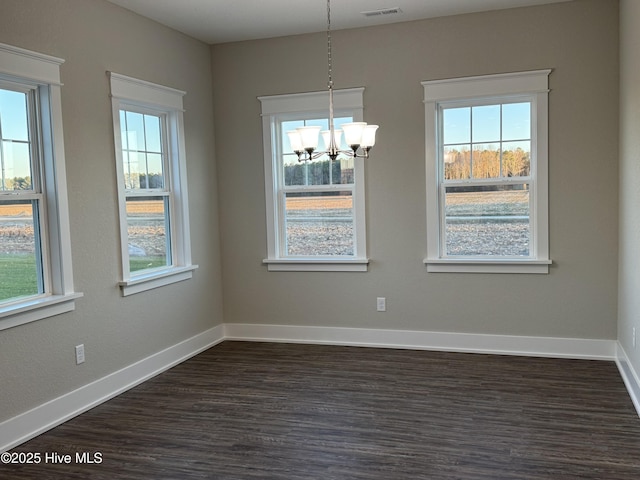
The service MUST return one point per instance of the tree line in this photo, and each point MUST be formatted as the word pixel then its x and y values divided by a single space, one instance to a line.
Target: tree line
pixel 317 173
pixel 484 163
pixel 17 183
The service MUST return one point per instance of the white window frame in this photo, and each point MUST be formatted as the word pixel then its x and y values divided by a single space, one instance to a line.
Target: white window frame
pixel 278 108
pixel 41 74
pixel 470 91
pixel 129 93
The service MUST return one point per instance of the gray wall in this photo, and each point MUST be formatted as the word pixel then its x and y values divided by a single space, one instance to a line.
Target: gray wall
pixel 579 40
pixel 37 361
pixel 578 299
pixel 629 264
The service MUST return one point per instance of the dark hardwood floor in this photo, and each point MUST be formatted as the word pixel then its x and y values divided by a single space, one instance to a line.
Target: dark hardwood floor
pixel 282 411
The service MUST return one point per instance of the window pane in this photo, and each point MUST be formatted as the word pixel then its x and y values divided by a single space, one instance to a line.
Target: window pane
pixel 457 125
pixel 16 166
pixel 15 158
pixel 13 115
pixel 486 161
pixel 295 172
pixel 152 130
pixel 457 162
pixel 516 121
pixel 148 232
pixel 342 171
pixel 516 159
pixel 20 262
pixel 154 171
pixel 142 150
pixel 133 164
pixel 488 221
pixel 486 123
pixel 319 172
pixel 134 131
pixel 319 223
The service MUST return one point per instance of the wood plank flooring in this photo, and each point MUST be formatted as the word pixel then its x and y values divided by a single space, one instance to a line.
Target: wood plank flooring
pixel 280 411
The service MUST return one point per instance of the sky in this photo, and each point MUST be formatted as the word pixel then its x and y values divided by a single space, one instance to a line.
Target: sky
pixel 14 131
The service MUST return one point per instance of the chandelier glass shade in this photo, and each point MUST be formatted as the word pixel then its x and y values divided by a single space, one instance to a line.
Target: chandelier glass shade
pixel 359 136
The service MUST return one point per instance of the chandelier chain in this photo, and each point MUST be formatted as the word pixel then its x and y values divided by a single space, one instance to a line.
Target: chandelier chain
pixel 329 42
pixel 358 135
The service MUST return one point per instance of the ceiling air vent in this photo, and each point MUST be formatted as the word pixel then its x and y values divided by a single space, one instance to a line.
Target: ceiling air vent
pixel 382 11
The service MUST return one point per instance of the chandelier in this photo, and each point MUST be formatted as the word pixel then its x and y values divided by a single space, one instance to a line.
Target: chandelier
pixel 358 135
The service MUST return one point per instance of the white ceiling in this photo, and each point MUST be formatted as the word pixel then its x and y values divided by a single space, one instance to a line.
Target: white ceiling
pixel 219 21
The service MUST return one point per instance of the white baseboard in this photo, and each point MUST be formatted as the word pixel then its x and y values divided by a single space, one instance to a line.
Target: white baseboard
pixel 629 376
pixel 29 424
pixel 420 340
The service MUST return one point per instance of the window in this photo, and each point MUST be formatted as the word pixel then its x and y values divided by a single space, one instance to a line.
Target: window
pixel 35 256
pixel 152 184
pixel 315 209
pixel 486 143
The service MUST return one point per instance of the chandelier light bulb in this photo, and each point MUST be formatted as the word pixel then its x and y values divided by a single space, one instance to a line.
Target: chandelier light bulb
pixel 309 137
pixel 353 133
pixel 369 136
pixel 295 140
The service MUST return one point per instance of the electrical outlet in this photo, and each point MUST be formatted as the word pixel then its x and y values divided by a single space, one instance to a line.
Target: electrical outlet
pixel 381 304
pixel 79 354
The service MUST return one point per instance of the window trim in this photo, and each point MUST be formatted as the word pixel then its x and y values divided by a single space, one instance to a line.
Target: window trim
pixel 42 73
pixel 142 95
pixel 471 89
pixel 274 108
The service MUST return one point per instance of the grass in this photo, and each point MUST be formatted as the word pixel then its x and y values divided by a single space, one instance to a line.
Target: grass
pixel 143 263
pixel 19 276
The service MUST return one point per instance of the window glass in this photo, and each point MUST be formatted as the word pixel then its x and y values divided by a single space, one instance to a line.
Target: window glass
pixel 456 125
pixel 516 159
pixel 148 233
pixel 500 141
pixel 485 143
pixel 486 123
pixel 516 121
pixel 319 224
pixel 15 154
pixel 148 225
pixel 142 150
pixel 13 115
pixel 485 161
pixel 487 221
pixel 20 261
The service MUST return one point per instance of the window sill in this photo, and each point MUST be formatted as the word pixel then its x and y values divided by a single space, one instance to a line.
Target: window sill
pixel 151 280
pixel 33 309
pixel 316 265
pixel 487 266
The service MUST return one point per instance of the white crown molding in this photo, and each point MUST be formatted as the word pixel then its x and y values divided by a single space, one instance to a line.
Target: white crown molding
pixel 31 65
pixel 133 89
